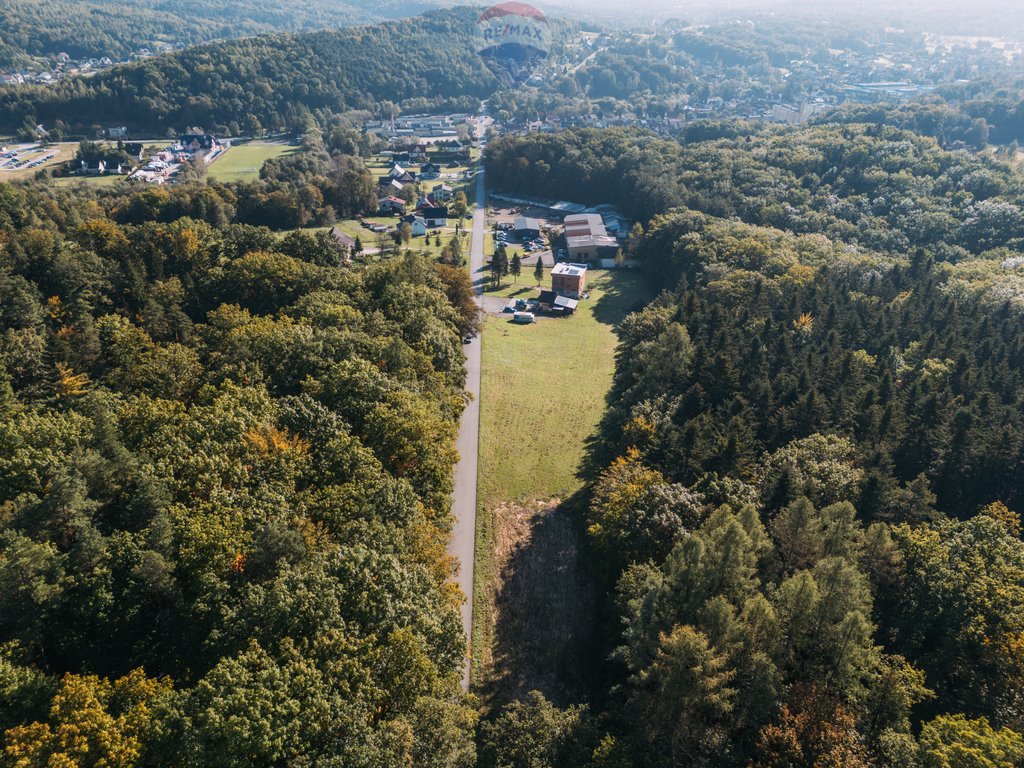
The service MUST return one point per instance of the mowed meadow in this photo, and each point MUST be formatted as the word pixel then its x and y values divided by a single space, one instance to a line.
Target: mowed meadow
pixel 243 162
pixel 543 390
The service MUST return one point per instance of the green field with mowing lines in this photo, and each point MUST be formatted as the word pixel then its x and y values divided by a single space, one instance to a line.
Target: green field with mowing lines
pixel 244 161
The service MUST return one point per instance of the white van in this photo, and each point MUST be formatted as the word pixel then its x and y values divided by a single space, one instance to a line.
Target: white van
pixel 524 318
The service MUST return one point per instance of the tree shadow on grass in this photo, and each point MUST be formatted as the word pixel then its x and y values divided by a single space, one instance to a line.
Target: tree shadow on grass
pixel 544 628
pixel 617 301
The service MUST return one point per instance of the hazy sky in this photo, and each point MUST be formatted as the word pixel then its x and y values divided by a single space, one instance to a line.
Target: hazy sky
pixel 1002 18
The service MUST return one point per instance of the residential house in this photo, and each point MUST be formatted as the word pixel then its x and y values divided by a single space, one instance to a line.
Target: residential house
pixel 134 149
pixel 417 223
pixel 430 171
pixel 435 217
pixel 99 168
pixel 343 239
pixel 197 142
pixel 442 192
pixel 569 279
pixel 390 187
pixel 402 175
pixel 389 206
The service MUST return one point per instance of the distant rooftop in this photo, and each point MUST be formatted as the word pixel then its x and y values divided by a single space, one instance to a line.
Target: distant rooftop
pixel 565 268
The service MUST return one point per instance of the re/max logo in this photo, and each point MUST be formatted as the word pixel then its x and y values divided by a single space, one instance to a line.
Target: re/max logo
pixel 513 30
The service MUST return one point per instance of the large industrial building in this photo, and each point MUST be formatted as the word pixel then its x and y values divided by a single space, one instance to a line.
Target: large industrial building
pixel 587 240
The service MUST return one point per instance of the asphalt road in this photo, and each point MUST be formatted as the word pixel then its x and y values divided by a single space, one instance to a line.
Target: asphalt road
pixel 462 544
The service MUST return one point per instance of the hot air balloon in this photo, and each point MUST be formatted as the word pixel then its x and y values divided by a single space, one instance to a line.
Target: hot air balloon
pixel 513 39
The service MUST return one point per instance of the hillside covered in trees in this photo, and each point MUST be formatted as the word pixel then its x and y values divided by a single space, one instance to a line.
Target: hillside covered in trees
pixel 804 498
pixel 874 186
pixel 281 81
pixel 225 476
pixel 86 28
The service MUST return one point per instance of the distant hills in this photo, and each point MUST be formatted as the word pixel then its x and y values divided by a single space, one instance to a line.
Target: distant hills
pixel 275 81
pixel 94 28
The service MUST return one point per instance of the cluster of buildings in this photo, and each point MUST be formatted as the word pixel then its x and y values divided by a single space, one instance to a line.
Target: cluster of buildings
pixel 667 124
pixel 423 128
pixel 399 178
pixel 62 65
pixel 899 66
pixel 163 166
pixel 452 151
pixel 429 210
pixel 568 286
pixel 428 215
pixel 593 234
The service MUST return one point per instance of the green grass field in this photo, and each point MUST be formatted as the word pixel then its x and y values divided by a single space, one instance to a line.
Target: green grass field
pixel 542 395
pixel 243 162
pixel 88 181
pixel 543 390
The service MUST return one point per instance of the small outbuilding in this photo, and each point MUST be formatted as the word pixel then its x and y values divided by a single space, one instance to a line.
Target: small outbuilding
pixel 565 305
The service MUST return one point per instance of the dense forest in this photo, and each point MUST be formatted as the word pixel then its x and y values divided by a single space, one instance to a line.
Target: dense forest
pixel 804 498
pixel 90 29
pixel 229 458
pixel 279 81
pixel 876 186
pixel 227 448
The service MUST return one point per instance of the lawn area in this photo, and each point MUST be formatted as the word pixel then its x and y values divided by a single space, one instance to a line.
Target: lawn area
pixel 244 161
pixel 88 181
pixel 543 390
pixel 420 245
pixel 542 395
pixel 424 245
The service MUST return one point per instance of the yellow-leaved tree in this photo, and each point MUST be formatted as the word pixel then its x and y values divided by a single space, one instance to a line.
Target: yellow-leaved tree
pixel 94 723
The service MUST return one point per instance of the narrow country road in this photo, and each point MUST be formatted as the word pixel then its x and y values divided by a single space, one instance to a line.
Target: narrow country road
pixel 463 539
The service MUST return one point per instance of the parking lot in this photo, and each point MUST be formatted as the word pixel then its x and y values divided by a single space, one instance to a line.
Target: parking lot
pixel 501 220
pixel 19 161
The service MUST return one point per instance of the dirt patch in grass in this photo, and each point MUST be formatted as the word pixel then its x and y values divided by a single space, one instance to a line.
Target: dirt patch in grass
pixel 541 606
